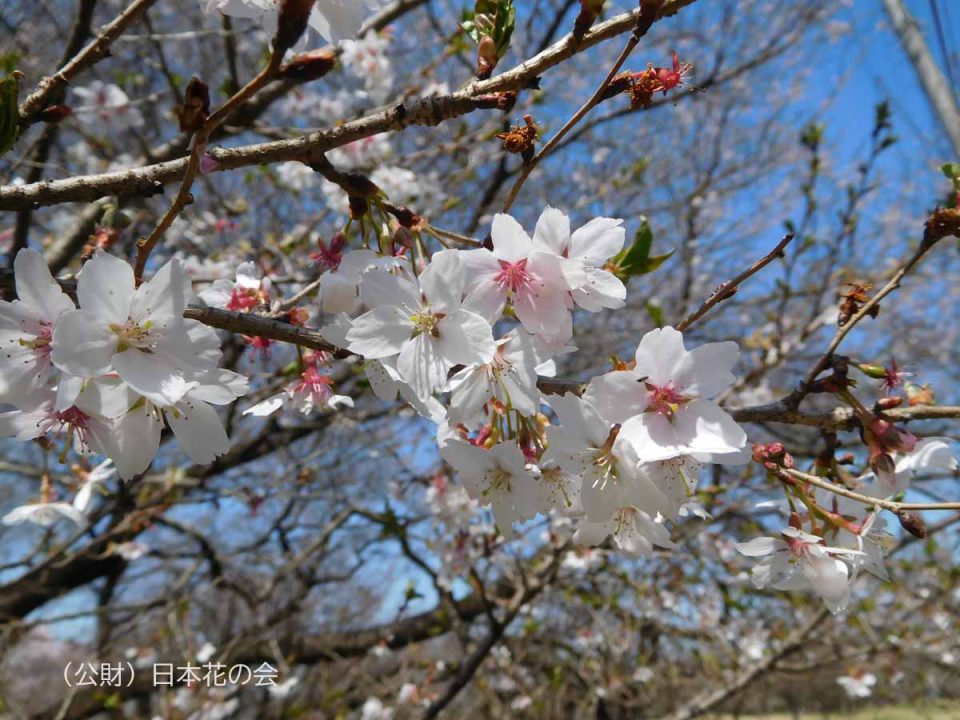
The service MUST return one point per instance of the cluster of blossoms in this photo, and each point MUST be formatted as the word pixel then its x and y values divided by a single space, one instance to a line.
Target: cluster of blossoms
pixel 853 540
pixel 466 337
pixel 109 375
pixel 620 460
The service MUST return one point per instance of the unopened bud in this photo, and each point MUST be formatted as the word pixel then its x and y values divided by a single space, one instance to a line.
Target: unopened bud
pixel 291 23
pixel 888 403
pixel 589 11
pixel 912 523
pixel 877 372
pixel 309 66
pixel 55 113
pixel 486 57
pixel 196 106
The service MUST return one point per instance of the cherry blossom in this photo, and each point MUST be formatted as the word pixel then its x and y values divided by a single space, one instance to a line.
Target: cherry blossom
pixel 800 561
pixel 585 253
pixel 250 290
pixel 663 402
pixel 499 477
pixel 633 531
pixel 45 514
pixel 313 390
pixel 138 333
pixel 584 445
pixel 535 282
pixel 339 285
pixel 858 686
pixel 106 107
pixel 192 418
pixel 425 327
pixel 510 378
pixel 26 329
pixel 84 418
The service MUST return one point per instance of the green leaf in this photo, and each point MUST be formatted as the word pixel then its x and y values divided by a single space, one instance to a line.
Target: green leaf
pixel 951 170
pixel 491 18
pixel 636 260
pixel 9 112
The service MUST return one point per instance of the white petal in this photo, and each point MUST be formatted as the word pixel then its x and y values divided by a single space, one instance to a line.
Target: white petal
pixel 598 240
pixel 82 345
pixel 199 430
pixel 442 281
pixel 760 546
pixel 152 376
pixel 36 287
pixel 706 371
pixel 714 431
pixel 163 298
pixel 105 289
pixel 618 395
pixel 137 441
pixel 267 407
pixel 380 333
pixel 552 233
pixel 466 338
pixel 423 366
pixel 510 240
pixel 659 352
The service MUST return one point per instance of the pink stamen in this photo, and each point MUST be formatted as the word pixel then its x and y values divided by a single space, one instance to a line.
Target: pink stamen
pixel 514 277
pixel 665 400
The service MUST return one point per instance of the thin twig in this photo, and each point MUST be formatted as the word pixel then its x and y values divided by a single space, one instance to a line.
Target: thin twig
pixel 890 505
pixel 92 53
pixel 729 288
pixel 824 361
pixel 643 24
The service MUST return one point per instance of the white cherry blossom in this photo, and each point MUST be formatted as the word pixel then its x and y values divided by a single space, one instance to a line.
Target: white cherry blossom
pixel 333 20
pixel 45 514
pixel 249 291
pixel 585 252
pixel 192 418
pixel 106 107
pixel 138 333
pixel 510 378
pixel 26 329
pixel 425 328
pixel 586 446
pixel 498 477
pixel 534 281
pixel 633 531
pixel 663 402
pixel 800 561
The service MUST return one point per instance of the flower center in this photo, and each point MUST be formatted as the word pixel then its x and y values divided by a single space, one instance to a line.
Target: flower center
pixel 426 323
pixel 514 277
pixel 41 341
pixel 133 334
pixel 665 399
